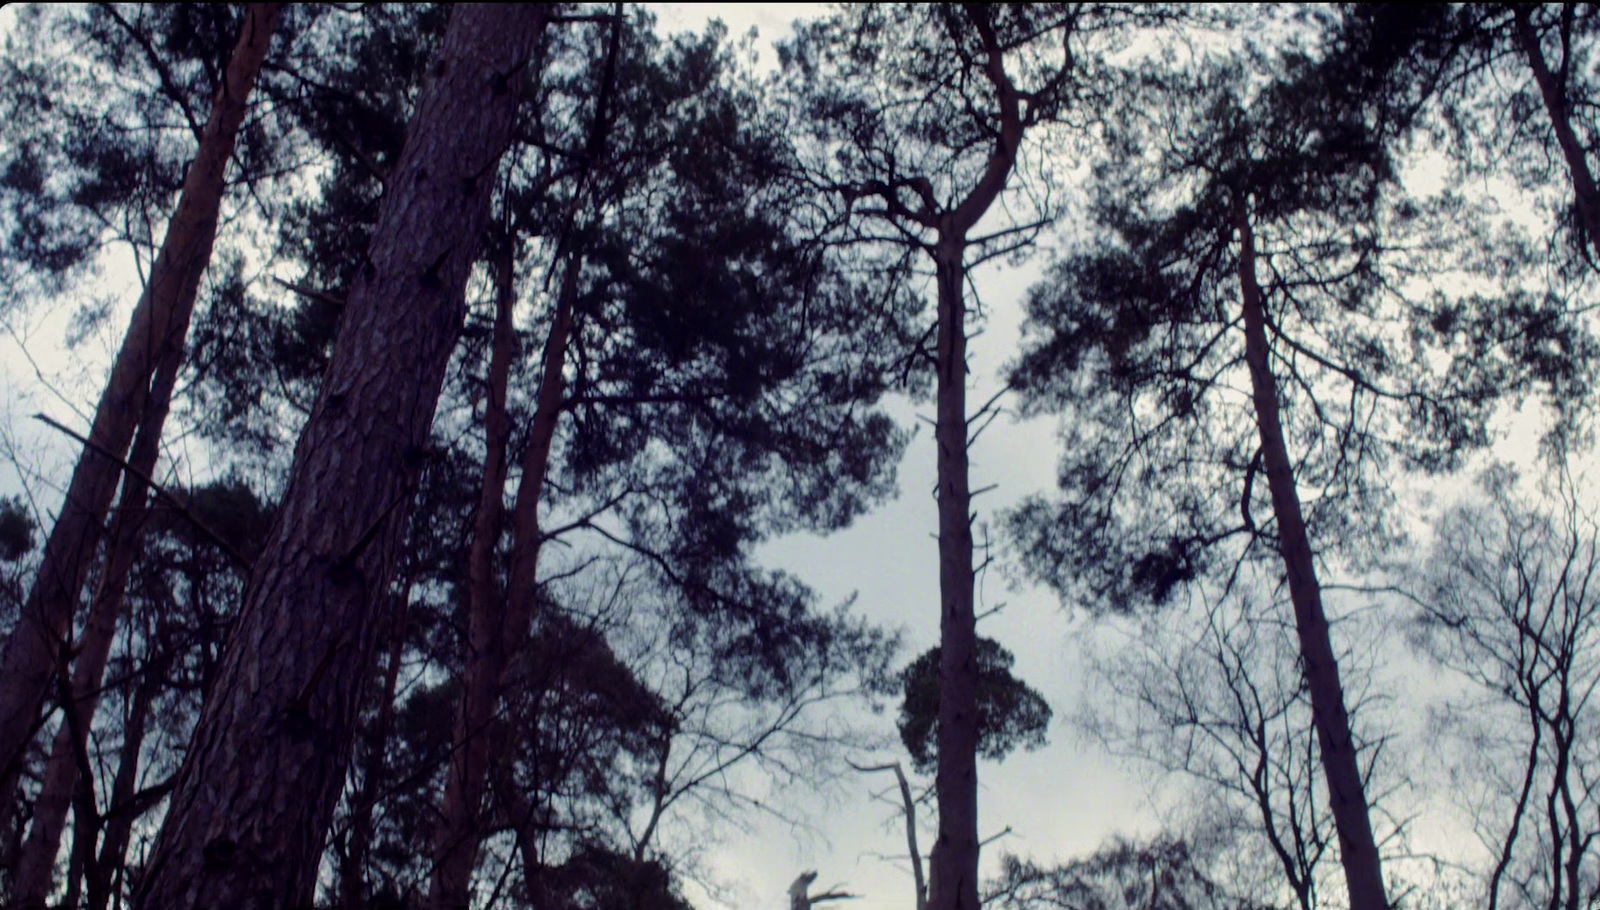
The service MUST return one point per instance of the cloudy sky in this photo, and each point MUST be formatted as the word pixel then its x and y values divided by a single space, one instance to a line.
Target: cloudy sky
pixel 1059 802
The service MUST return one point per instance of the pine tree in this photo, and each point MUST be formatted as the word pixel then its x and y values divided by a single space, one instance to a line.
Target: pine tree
pixel 259 782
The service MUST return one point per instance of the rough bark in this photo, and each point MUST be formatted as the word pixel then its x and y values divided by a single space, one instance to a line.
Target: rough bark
pixel 1358 850
pixel 160 322
pixel 261 778
pixel 1586 195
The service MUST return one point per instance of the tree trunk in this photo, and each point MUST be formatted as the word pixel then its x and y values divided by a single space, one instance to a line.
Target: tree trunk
pixel 954 884
pixel 453 857
pixel 1555 104
pixel 38 644
pixel 1358 850
pixel 498 627
pixel 85 832
pixel 104 876
pixel 37 862
pixel 953 878
pixel 353 879
pixel 264 771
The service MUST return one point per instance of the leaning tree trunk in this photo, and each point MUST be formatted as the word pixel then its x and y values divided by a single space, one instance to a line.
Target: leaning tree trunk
pixel 38 644
pixel 1358 850
pixel 264 771
pixel 1559 110
pixel 36 865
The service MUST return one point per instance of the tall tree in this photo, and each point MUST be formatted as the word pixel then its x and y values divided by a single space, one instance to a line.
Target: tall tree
pixel 921 112
pixel 1229 177
pixel 38 645
pixel 259 782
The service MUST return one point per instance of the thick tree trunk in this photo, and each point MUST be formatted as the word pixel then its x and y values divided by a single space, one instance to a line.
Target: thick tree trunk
pixel 498 627
pixel 38 643
pixel 955 853
pixel 1560 112
pixel 1358 850
pixel 261 778
pixel 36 865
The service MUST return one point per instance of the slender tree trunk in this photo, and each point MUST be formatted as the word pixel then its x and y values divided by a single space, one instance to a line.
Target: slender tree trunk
pixel 1358 850
pixel 38 643
pixel 953 874
pixel 955 853
pixel 1555 104
pixel 37 862
pixel 264 771
pixel 498 627
pixel 353 881
pixel 85 833
pixel 1509 843
pixel 453 858
pixel 104 877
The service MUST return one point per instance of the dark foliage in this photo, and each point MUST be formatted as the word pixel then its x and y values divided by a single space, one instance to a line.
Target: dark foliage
pixel 1010 712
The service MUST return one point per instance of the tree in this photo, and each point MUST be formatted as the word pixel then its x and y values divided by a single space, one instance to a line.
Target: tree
pixel 1247 244
pixel 260 780
pixel 1010 712
pixel 715 356
pixel 1507 599
pixel 37 647
pixel 918 117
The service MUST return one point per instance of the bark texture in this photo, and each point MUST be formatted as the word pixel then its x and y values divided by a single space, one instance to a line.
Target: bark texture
pixel 1358 850
pixel 38 646
pixel 259 783
pixel 1553 91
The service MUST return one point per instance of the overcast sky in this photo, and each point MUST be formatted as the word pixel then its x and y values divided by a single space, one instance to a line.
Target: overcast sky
pixel 1059 802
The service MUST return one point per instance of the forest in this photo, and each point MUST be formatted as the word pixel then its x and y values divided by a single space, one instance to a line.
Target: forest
pixel 444 400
